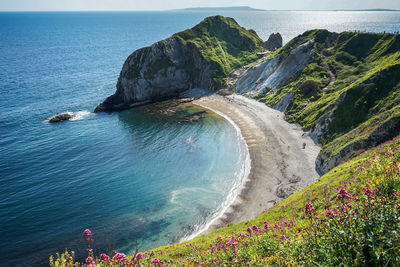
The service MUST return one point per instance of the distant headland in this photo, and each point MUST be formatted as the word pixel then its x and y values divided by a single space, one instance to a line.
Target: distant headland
pixel 232 8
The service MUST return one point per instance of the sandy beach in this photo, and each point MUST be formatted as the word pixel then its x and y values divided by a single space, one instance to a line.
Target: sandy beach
pixel 279 163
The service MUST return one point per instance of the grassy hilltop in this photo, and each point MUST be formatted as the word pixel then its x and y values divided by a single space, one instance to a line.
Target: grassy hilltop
pixel 223 43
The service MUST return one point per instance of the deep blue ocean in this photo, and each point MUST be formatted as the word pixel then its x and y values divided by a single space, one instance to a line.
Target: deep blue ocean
pixel 127 176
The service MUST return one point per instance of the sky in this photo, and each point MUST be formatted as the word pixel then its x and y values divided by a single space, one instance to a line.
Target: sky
pixel 72 5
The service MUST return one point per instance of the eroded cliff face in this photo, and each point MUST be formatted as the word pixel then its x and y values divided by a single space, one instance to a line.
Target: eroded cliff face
pixel 201 57
pixel 161 71
pixel 275 72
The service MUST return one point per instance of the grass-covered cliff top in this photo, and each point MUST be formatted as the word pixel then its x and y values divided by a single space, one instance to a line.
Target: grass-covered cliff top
pixel 360 107
pixel 223 43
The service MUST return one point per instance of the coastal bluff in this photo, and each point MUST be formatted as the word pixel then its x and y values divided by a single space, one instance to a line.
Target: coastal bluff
pixel 200 57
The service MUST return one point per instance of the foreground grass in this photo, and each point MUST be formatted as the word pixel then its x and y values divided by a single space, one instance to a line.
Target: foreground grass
pixel 350 216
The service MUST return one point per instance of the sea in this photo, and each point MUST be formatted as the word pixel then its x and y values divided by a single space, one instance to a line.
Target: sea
pixel 136 179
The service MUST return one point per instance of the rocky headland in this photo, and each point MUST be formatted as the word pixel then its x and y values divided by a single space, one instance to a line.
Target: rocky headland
pixel 200 57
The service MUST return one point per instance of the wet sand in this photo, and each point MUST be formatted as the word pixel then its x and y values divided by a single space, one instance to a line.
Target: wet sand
pixel 279 163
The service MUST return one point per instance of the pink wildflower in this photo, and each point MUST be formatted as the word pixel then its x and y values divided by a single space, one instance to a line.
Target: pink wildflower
pixel 395 192
pixel 89 260
pixel 367 191
pixel 329 212
pixel 249 230
pixel 119 256
pixel 309 208
pixel 140 255
pixel 87 232
pixel 104 257
pixel 155 261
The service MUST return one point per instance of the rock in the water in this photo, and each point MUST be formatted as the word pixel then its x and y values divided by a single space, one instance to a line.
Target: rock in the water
pixel 274 42
pixel 201 57
pixel 60 117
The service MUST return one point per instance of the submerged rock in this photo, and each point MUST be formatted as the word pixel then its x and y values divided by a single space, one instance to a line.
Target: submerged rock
pixel 61 117
pixel 200 57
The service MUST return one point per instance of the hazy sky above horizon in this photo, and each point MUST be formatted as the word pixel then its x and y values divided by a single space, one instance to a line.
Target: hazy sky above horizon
pixel 67 5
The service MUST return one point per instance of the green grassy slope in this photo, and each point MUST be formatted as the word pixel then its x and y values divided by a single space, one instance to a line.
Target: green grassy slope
pixel 223 43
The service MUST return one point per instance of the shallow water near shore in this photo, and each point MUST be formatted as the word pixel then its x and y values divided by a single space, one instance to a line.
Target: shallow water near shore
pixel 127 176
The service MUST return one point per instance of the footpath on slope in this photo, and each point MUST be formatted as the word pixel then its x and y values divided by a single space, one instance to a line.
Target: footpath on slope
pixel 280 165
pixel 328 69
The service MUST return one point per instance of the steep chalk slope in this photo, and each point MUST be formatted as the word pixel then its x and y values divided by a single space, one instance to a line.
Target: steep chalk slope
pixel 276 71
pixel 200 57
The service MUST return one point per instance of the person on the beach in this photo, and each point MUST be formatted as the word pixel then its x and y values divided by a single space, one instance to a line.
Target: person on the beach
pixel 304 145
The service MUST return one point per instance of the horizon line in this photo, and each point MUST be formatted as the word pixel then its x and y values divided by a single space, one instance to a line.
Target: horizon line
pixel 193 9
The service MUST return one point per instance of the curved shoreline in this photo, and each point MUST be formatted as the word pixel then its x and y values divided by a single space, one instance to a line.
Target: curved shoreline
pixel 235 191
pixel 279 165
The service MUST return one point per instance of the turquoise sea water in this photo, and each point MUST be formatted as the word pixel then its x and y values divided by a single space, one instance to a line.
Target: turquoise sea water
pixel 127 176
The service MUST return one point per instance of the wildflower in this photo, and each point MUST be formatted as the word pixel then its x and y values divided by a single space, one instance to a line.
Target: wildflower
pixel 249 230
pixel 343 193
pixel 87 232
pixel 89 250
pixel 395 192
pixel 140 255
pixel 309 208
pixel 119 256
pixel 155 261
pixel 367 191
pixel 104 257
pixel 329 212
pixel 89 260
pixel 68 259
